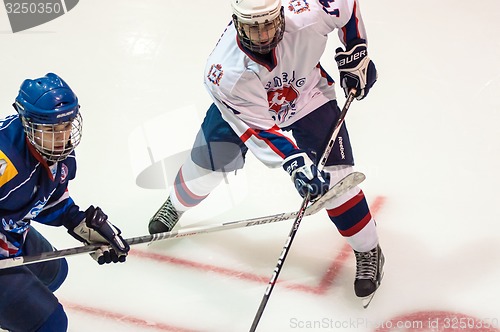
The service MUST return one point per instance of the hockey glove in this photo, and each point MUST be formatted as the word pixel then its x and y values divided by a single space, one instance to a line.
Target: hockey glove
pixel 95 229
pixel 356 69
pixel 306 176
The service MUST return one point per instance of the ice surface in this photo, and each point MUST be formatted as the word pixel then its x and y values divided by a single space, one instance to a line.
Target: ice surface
pixel 426 137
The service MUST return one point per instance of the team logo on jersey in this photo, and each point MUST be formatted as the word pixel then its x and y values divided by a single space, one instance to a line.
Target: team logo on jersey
pixel 215 74
pixel 36 209
pixel 298 6
pixel 64 173
pixel 15 226
pixel 282 102
pixel 7 170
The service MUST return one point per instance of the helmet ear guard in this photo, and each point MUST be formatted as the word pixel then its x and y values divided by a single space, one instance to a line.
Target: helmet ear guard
pixel 254 19
pixel 50 115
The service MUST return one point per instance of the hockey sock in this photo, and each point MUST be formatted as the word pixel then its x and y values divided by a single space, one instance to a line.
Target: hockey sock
pixel 355 222
pixel 192 185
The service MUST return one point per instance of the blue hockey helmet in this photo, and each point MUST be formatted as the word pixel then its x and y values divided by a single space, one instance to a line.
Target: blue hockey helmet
pixel 47 100
pixel 50 114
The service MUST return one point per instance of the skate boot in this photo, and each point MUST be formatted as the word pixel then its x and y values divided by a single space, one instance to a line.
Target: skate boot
pixel 369 273
pixel 164 219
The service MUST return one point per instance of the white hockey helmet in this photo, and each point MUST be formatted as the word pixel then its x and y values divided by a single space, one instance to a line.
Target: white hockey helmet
pixel 260 23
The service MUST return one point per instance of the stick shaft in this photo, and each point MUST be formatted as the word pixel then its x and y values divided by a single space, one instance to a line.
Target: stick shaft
pixel 341 187
pixel 300 215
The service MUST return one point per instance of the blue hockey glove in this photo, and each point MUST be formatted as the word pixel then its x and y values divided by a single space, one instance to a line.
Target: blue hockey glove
pixel 306 176
pixel 356 69
pixel 94 229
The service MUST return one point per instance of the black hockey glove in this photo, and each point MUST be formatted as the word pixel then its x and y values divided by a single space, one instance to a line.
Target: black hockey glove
pixel 94 229
pixel 306 176
pixel 356 69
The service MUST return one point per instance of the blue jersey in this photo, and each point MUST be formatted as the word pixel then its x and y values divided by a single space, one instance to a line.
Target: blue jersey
pixel 30 189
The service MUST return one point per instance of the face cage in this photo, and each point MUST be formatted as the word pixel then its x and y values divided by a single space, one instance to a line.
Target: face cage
pixel 278 24
pixel 52 143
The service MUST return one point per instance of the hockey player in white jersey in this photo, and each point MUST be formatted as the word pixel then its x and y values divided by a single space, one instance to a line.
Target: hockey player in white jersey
pixel 265 77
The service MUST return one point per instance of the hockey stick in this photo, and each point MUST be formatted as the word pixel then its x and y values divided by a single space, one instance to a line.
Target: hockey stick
pixel 300 215
pixel 339 189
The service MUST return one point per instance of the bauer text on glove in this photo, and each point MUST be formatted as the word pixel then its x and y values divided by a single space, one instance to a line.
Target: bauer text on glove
pixel 356 69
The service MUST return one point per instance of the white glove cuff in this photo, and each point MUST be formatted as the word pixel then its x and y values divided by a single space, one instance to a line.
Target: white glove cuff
pixel 87 234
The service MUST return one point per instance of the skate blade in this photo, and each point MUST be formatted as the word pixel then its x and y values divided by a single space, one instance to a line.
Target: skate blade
pixel 367 300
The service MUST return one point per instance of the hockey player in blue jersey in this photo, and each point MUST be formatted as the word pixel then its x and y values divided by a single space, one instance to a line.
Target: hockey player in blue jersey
pixel 37 161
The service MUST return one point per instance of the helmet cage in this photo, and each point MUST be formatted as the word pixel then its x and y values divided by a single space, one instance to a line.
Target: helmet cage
pixel 249 34
pixel 54 141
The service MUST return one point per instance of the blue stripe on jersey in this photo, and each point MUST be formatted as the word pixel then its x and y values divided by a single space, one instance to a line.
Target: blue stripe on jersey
pixel 277 142
pixel 324 74
pixel 52 216
pixel 351 30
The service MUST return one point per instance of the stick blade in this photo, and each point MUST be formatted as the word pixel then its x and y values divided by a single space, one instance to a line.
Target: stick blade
pixel 338 189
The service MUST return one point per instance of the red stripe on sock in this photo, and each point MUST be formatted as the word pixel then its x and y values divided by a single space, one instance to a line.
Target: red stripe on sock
pixel 182 185
pixel 335 212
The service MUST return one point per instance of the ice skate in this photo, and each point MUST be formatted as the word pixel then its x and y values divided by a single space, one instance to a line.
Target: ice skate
pixel 164 219
pixel 369 273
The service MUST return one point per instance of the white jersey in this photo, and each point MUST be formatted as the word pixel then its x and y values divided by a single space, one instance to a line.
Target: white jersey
pixel 257 96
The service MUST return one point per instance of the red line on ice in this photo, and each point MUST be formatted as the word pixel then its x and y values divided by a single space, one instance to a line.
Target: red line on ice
pixel 326 281
pixel 139 322
pixel 323 286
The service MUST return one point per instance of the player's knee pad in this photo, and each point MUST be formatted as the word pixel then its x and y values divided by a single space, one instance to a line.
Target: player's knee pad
pixel 60 276
pixel 337 173
pixel 56 322
pixel 51 273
